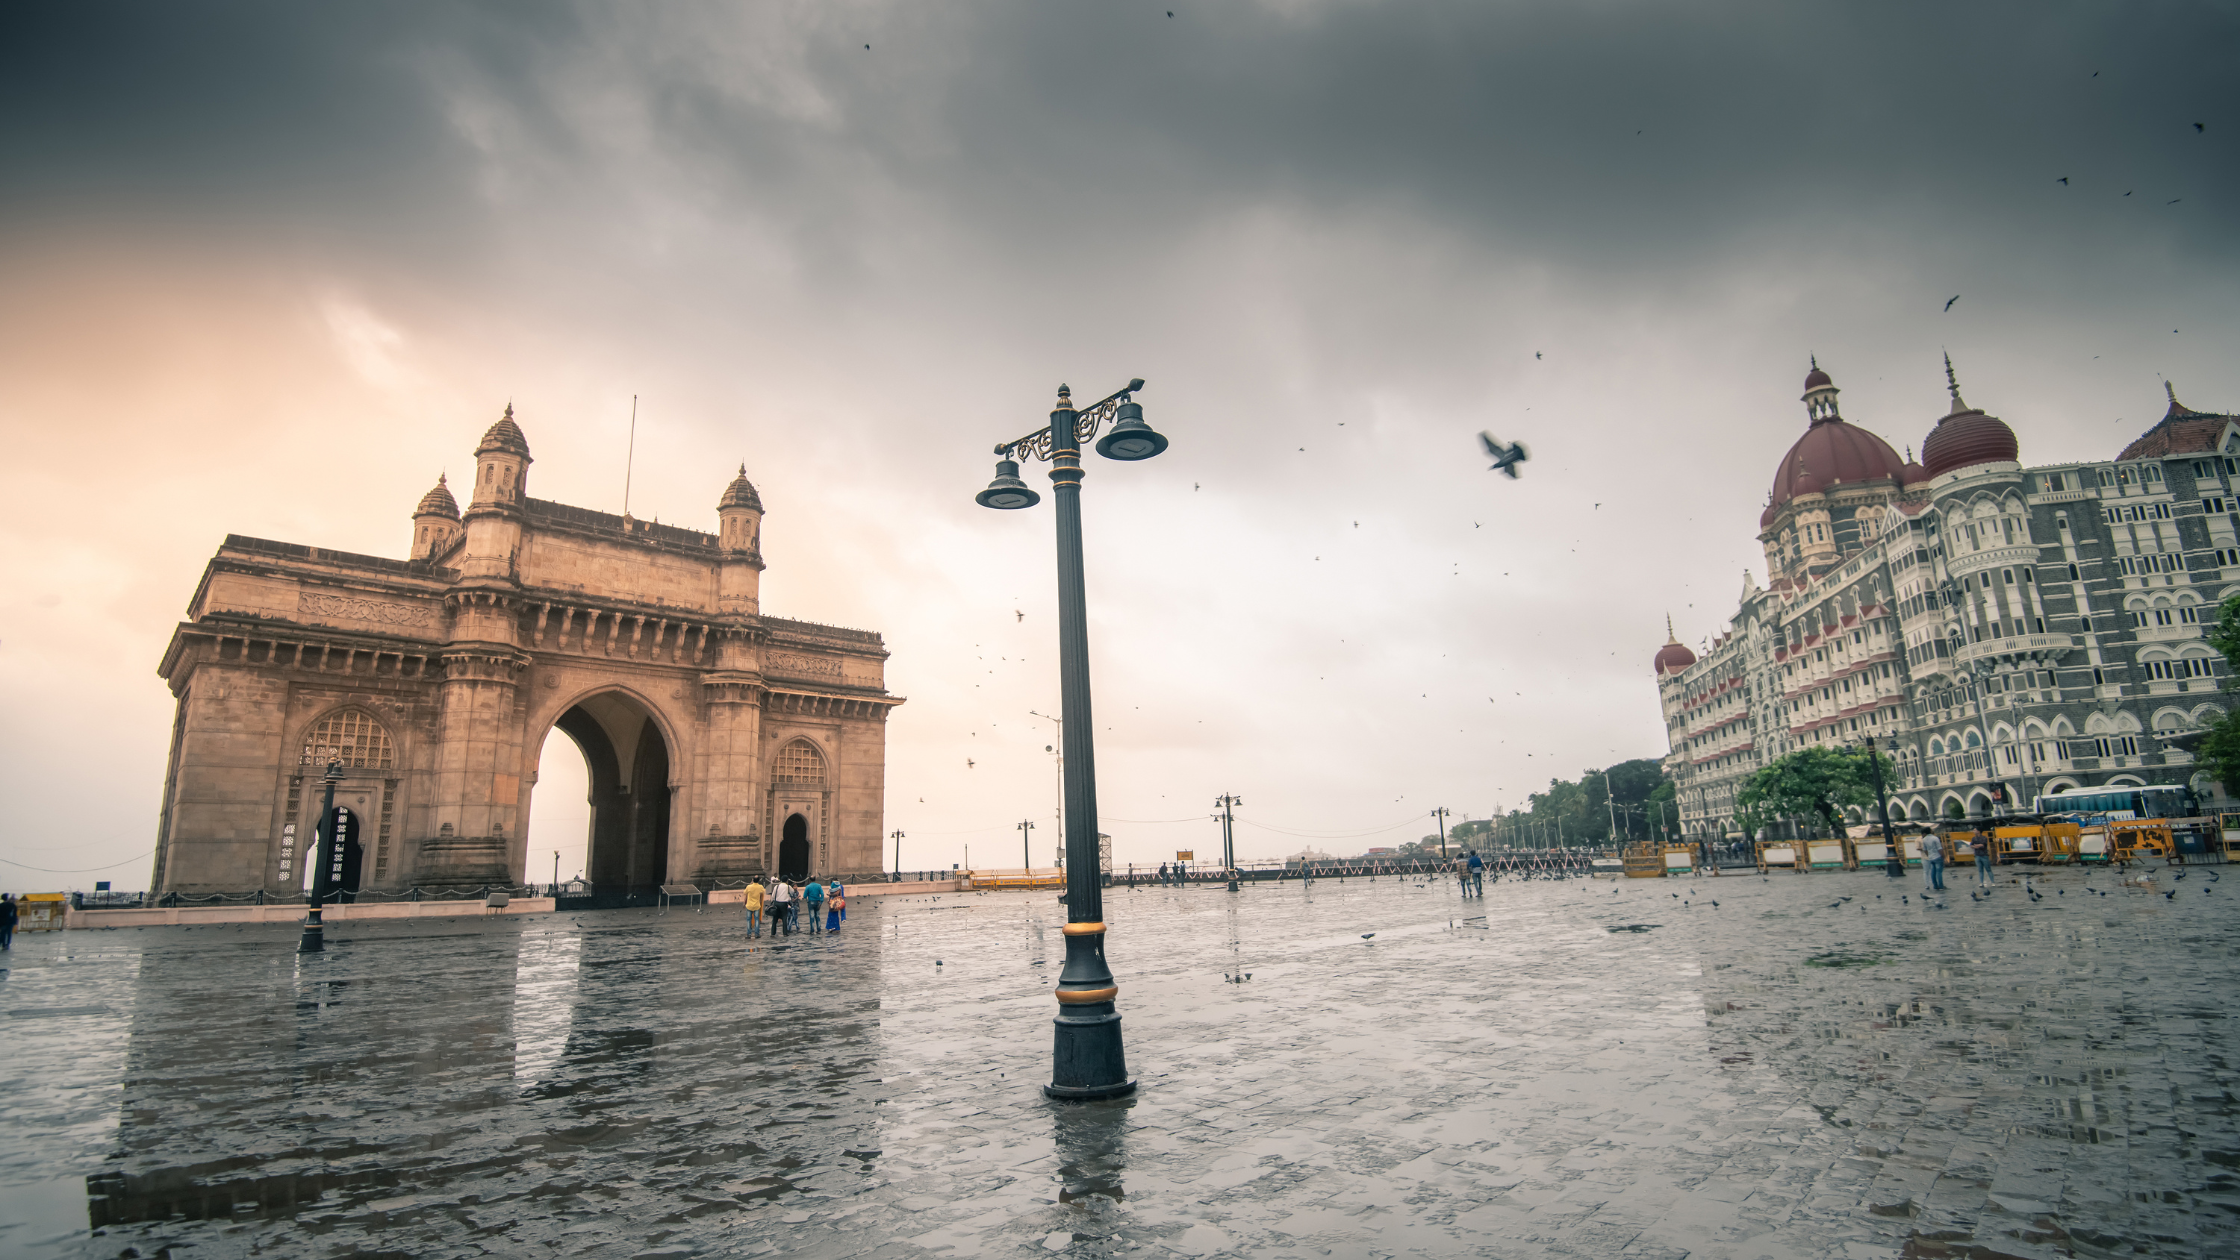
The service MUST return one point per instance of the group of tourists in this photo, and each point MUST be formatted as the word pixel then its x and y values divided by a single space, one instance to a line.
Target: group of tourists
pixel 784 903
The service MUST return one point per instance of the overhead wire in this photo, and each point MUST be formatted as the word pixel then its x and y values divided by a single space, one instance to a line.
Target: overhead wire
pixel 83 870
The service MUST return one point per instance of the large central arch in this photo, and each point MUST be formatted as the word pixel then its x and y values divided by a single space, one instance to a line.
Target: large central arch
pixel 628 761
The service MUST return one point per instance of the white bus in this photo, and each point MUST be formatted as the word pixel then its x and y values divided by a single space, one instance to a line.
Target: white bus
pixel 2121 801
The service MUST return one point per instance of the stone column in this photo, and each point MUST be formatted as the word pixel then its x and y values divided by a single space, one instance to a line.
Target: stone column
pixel 476 809
pixel 729 814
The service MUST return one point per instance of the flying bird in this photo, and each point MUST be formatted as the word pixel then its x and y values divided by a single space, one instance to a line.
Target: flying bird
pixel 968 763
pixel 1505 458
pixel 2064 179
pixel 1020 615
pixel 1949 301
pixel 2199 127
pixel 1536 354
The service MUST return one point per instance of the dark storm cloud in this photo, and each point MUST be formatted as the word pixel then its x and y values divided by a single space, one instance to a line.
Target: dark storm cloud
pixel 1335 237
pixel 1617 136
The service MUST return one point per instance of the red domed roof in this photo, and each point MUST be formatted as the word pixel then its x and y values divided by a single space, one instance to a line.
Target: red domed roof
pixel 1914 474
pixel 1765 518
pixel 1833 452
pixel 1816 378
pixel 1674 656
pixel 1964 438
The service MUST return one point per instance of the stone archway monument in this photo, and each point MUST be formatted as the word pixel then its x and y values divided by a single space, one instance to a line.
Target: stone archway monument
pixel 711 732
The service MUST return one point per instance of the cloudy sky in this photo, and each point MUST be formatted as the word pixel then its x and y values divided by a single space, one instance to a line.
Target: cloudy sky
pixel 271 268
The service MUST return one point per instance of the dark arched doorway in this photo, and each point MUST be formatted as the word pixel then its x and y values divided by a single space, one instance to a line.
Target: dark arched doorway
pixel 628 764
pixel 793 850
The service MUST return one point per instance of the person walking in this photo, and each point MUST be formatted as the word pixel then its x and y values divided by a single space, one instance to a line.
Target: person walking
pixel 1983 862
pixel 1162 874
pixel 7 921
pixel 781 907
pixel 1932 861
pixel 751 897
pixel 812 900
pixel 1477 868
pixel 837 894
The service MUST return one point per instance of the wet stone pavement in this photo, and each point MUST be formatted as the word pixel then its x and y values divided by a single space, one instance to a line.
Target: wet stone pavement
pixel 1573 1068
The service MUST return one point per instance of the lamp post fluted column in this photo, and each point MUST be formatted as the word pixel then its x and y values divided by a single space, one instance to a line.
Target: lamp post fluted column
pixel 1087 1060
pixel 314 939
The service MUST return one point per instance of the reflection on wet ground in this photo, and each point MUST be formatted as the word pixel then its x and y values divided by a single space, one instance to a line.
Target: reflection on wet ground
pixel 1748 1068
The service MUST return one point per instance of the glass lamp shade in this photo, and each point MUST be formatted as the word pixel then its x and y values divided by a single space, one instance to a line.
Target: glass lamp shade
pixel 1130 438
pixel 1007 491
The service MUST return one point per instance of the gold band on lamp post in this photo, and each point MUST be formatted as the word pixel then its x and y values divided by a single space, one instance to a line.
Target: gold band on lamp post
pixel 1083 929
pixel 1084 997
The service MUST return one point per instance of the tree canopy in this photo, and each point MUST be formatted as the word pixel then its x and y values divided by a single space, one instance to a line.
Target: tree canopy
pixel 2219 751
pixel 1579 811
pixel 1816 783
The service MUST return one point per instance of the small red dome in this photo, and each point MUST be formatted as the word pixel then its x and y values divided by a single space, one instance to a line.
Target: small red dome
pixel 1674 657
pixel 1914 474
pixel 1816 378
pixel 1965 438
pixel 1765 518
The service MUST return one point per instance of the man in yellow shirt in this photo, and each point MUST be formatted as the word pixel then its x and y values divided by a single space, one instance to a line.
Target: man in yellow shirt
pixel 753 900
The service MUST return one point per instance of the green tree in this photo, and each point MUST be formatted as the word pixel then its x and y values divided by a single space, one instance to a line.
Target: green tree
pixel 1814 783
pixel 2219 748
pixel 1632 782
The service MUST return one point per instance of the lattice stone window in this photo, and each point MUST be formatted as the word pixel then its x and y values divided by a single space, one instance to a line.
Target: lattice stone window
pixel 799 763
pixel 352 737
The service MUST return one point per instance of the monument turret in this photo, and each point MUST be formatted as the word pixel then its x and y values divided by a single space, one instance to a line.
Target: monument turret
pixel 739 535
pixel 435 523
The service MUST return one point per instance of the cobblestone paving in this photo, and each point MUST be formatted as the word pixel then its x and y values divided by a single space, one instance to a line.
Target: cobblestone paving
pixel 1763 1069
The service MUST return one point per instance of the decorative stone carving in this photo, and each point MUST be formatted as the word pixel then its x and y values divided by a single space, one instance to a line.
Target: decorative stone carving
pixel 803 666
pixel 352 608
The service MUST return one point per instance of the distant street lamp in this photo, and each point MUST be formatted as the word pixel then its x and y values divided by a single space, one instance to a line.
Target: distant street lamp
pixel 1087 1060
pixel 898 856
pixel 1228 819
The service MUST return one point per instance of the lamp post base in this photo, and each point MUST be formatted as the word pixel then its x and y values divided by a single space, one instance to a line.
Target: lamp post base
pixel 314 936
pixel 1088 1061
pixel 1062 1094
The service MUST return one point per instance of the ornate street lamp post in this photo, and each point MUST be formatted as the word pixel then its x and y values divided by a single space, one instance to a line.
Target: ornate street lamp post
pixel 1087 1060
pixel 328 854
